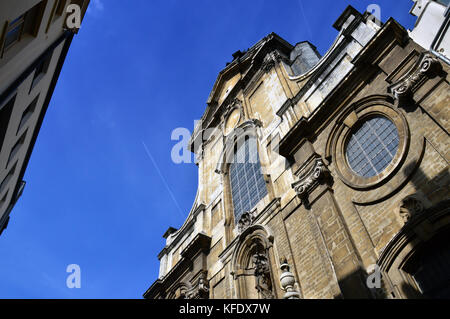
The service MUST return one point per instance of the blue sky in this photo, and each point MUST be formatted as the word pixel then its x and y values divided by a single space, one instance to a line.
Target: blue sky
pixel 134 73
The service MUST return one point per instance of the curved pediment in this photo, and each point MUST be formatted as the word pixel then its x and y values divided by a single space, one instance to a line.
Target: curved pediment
pixel 244 65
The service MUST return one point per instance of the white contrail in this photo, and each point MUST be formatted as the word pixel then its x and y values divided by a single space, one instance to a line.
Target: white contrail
pixel 163 179
pixel 305 19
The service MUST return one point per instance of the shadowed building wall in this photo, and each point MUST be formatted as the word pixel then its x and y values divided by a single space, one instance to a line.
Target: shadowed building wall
pixel 34 40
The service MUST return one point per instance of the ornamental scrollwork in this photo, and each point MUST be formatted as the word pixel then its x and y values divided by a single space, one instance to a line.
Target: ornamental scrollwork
pixel 308 182
pixel 428 68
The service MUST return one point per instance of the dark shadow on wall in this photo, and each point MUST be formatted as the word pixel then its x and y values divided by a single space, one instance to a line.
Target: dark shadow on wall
pixel 435 189
pixel 351 287
pixel 354 286
pixel 435 194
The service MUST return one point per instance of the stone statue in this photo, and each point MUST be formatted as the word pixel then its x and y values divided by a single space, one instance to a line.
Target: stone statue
pixel 262 274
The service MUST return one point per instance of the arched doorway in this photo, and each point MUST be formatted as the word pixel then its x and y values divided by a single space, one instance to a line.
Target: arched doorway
pixel 416 262
pixel 429 268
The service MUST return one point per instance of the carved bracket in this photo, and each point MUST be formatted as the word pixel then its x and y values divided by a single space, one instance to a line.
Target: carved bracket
pixel 311 180
pixel 428 68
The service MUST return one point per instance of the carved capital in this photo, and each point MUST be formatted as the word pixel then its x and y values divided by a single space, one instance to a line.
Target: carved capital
pixel 270 60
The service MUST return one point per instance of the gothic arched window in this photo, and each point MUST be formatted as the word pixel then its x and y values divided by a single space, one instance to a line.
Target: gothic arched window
pixel 248 186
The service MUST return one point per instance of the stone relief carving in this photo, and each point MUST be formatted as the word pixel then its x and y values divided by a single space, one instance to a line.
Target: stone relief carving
pixel 245 221
pixel 235 103
pixel 200 291
pixel 429 67
pixel 311 180
pixel 270 60
pixel 262 274
pixel 409 207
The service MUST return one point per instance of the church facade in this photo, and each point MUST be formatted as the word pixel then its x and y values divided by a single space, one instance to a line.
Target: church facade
pixel 319 173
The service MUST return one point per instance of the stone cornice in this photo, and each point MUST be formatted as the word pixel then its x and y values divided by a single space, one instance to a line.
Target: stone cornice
pixel 200 244
pixel 187 226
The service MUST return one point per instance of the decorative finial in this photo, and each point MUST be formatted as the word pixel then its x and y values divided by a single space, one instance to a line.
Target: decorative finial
pixel 287 280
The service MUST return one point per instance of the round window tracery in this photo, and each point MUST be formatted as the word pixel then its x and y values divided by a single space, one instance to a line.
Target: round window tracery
pixel 372 146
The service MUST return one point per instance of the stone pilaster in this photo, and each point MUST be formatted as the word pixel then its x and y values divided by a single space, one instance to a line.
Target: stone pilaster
pixel 314 188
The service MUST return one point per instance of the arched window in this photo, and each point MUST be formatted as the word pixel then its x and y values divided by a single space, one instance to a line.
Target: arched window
pixel 248 186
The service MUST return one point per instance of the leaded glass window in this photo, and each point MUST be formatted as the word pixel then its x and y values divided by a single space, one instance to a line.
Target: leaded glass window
pixel 372 146
pixel 248 186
